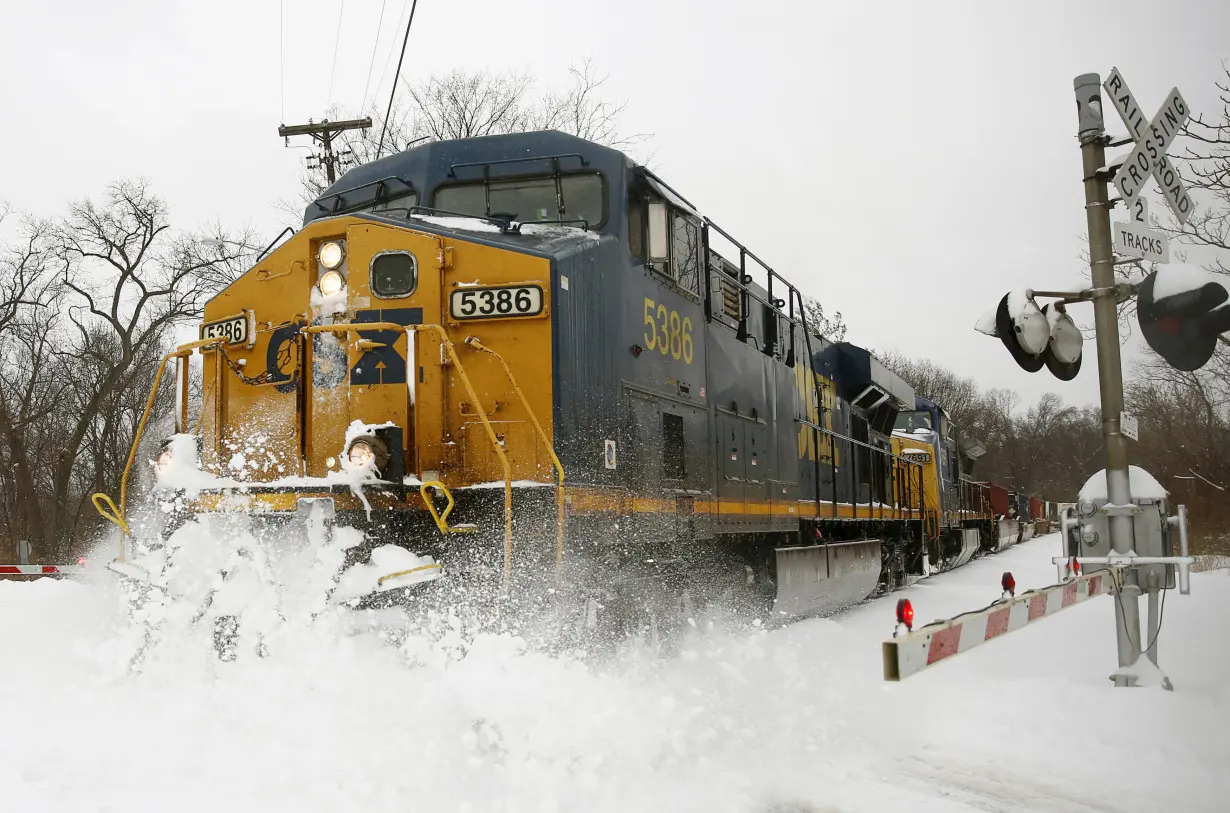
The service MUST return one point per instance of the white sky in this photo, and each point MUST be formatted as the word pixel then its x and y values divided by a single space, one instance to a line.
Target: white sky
pixel 906 162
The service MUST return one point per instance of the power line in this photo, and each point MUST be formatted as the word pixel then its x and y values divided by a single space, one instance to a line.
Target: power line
pixel 396 74
pixel 392 47
pixel 375 47
pixel 282 55
pixel 336 41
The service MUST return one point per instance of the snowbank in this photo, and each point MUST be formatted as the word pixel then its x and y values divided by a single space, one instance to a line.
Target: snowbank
pixel 798 719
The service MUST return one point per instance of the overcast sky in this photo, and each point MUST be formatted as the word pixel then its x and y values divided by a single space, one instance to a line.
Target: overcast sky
pixel 905 162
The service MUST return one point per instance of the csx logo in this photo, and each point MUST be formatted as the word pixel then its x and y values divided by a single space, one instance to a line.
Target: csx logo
pixel 383 365
pixel 376 365
pixel 811 409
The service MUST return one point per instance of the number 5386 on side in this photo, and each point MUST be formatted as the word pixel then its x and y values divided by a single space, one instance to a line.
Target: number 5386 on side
pixel 667 332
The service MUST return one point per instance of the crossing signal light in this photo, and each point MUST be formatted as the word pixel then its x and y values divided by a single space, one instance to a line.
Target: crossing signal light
pixel 1067 344
pixel 1039 337
pixel 1181 312
pixel 905 613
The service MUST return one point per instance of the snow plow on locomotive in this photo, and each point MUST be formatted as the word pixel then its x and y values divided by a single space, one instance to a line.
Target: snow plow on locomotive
pixel 525 363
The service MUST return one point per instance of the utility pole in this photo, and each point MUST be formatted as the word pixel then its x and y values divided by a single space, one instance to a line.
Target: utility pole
pixel 323 133
pixel 1092 135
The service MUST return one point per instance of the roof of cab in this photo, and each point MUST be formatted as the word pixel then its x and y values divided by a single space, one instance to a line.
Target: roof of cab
pixel 427 165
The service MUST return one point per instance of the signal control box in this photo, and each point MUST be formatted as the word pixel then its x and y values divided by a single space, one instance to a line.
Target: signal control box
pixel 1151 536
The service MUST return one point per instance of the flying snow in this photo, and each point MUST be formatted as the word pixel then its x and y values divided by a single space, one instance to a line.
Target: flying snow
pixel 356 711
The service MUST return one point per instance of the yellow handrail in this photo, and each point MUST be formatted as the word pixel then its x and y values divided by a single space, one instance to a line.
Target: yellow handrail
pixel 118 517
pixel 473 341
pixel 419 569
pixel 105 506
pixel 447 343
pixel 442 518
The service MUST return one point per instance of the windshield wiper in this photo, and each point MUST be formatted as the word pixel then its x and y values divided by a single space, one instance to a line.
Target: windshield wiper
pixel 339 205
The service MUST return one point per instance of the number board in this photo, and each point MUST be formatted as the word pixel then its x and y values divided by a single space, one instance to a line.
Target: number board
pixel 496 302
pixel 236 329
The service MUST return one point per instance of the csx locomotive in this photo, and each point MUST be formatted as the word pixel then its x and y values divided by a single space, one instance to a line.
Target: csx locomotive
pixel 546 361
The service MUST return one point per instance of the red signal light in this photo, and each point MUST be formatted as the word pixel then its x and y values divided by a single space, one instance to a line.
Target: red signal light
pixel 1008 583
pixel 81 561
pixel 905 613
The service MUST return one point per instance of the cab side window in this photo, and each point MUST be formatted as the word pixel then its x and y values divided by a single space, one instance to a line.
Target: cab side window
pixel 685 252
pixel 665 238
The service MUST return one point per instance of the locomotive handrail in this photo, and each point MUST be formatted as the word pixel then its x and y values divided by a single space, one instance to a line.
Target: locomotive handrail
pixel 864 444
pixel 770 274
pixel 337 208
pixel 267 248
pixel 473 342
pixel 452 170
pixel 119 517
pixel 885 453
pixel 447 343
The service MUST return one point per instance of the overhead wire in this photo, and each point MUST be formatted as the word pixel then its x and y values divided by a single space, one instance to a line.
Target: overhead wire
pixel 282 57
pixel 397 73
pixel 372 65
pixel 336 42
pixel 388 58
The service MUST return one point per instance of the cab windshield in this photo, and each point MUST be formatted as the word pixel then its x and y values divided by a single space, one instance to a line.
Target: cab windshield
pixel 400 204
pixel 909 421
pixel 528 200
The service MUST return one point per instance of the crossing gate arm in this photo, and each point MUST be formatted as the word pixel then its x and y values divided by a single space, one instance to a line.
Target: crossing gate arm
pixel 40 570
pixel 939 640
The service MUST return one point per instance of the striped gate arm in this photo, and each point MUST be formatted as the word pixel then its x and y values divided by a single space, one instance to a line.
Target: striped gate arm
pixel 38 570
pixel 939 640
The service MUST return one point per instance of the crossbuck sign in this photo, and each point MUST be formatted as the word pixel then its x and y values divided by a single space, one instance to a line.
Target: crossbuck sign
pixel 1152 139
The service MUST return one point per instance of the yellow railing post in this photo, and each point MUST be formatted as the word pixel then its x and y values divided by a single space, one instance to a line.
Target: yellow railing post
pixel 119 516
pixel 559 468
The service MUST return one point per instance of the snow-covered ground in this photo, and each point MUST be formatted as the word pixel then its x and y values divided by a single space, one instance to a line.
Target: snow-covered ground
pixel 794 719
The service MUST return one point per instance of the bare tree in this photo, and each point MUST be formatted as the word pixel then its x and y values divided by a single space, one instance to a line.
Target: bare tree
pixel 1205 166
pixel 105 286
pixel 583 112
pixel 31 393
pixel 23 278
pixel 469 104
pixel 832 327
pixel 959 396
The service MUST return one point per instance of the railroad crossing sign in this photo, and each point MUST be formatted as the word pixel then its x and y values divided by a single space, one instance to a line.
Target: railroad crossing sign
pixel 1149 155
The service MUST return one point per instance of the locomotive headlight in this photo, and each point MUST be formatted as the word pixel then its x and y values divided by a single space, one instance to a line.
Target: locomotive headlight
pixel 162 463
pixel 331 254
pixel 362 455
pixel 331 282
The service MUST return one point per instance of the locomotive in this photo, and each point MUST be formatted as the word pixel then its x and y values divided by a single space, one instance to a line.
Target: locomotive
pixel 529 361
